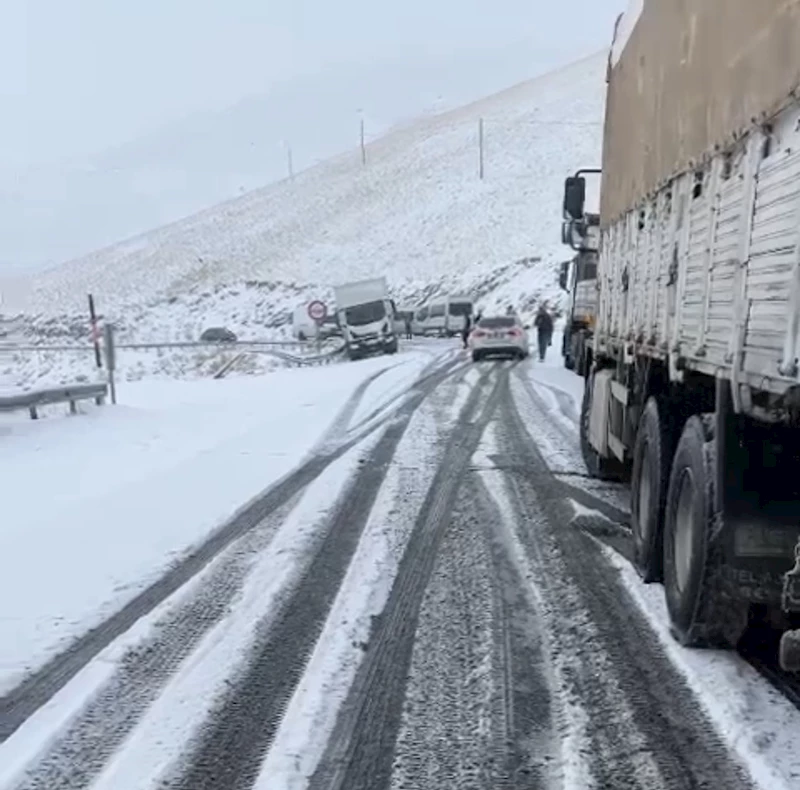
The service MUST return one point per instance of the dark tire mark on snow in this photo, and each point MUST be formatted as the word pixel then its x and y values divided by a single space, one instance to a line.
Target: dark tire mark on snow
pixel 531 742
pixel 18 704
pixel 229 751
pixel 338 428
pixel 83 749
pixel 360 753
pixel 455 679
pixel 611 499
pixel 644 725
pixel 21 702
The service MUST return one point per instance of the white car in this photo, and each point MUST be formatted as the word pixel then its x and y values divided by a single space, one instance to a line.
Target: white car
pixel 496 336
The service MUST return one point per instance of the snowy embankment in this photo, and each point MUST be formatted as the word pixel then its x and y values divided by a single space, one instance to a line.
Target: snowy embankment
pixel 97 507
pixel 417 213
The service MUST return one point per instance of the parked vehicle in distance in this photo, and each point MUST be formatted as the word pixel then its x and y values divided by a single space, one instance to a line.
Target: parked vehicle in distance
pixel 499 336
pixel 443 316
pixel 365 315
pixel 458 307
pixel 578 278
pixel 400 317
pixel 419 320
pixel 329 327
pixel 303 326
pixel 217 334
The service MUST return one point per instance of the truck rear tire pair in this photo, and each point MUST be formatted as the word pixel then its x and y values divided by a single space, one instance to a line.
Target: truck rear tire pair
pixel 677 528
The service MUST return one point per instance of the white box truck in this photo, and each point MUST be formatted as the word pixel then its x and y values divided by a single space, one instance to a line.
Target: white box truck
pixel 692 387
pixel 366 317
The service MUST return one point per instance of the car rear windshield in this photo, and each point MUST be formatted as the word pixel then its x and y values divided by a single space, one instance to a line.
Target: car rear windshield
pixel 460 308
pixel 497 323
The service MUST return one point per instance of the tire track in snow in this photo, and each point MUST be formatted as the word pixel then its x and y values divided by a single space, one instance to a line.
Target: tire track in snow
pixel 229 751
pixel 18 704
pixel 450 728
pixel 645 727
pixel 559 445
pixel 360 753
pixel 80 753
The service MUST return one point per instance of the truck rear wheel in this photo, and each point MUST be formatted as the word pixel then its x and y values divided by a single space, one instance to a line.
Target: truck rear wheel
pixel 700 615
pixel 596 465
pixel 652 460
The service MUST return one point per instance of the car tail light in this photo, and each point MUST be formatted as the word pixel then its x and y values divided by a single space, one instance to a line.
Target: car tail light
pixel 479 333
pixel 514 333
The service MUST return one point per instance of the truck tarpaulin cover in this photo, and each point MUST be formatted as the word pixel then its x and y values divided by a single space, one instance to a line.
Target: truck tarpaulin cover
pixel 693 75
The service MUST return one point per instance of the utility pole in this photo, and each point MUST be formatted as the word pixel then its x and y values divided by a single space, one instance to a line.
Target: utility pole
pixel 363 145
pixel 289 162
pixel 480 148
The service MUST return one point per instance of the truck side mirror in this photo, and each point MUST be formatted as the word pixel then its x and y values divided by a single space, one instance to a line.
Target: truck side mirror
pixel 574 197
pixel 563 275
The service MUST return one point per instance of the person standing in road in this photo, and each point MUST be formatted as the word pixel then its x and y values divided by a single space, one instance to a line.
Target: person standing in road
pixel 544 330
pixel 409 335
pixel 465 330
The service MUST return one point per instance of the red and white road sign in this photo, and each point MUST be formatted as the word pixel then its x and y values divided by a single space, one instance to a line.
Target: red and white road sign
pixel 317 311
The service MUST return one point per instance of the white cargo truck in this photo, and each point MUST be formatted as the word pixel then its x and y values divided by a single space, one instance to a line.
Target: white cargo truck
pixel 693 384
pixel 366 317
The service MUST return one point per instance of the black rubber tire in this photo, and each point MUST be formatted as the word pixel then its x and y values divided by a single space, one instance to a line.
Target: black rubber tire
pixel 477 356
pixel 596 465
pixel 652 464
pixel 699 612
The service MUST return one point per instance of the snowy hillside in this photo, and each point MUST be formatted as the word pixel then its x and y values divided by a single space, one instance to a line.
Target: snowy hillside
pixel 417 213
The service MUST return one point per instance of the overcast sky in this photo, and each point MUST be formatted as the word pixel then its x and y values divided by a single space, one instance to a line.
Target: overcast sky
pixel 78 76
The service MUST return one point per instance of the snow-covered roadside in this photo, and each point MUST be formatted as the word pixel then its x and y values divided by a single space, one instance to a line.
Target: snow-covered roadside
pixel 552 375
pixel 758 723
pixel 311 714
pixel 98 506
pixel 160 740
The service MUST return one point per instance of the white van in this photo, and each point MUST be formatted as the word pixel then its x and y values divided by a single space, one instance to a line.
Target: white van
pixel 400 315
pixel 457 308
pixel 419 320
pixel 444 316
pixel 303 328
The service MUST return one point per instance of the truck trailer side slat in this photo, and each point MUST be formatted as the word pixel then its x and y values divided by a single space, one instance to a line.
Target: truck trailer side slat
pixel 698 282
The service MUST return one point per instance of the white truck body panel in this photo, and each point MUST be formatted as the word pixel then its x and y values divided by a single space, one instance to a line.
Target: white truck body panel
pixel 708 271
pixel 360 292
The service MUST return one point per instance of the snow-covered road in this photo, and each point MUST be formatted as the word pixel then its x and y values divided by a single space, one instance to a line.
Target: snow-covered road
pixel 429 594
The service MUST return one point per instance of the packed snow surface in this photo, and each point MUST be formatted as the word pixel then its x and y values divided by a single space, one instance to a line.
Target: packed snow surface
pixel 97 506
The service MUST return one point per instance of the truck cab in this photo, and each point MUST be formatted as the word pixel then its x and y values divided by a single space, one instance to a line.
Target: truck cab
pixel 366 315
pixel 578 276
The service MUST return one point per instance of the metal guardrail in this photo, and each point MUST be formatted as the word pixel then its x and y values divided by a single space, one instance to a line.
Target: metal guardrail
pixel 154 346
pixel 37 398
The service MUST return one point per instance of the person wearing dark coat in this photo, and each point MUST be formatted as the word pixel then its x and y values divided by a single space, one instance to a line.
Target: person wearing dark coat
pixel 465 330
pixel 544 330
